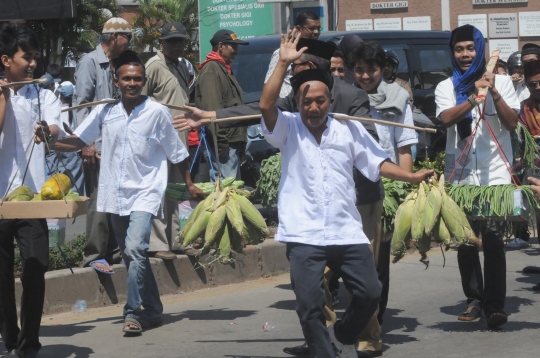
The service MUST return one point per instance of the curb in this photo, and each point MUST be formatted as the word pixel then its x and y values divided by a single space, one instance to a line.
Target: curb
pixel 63 289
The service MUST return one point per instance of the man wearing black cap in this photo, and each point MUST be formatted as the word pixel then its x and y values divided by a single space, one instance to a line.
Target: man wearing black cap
pixel 168 84
pixel 217 88
pixel 483 165
pixel 317 219
pixel 530 52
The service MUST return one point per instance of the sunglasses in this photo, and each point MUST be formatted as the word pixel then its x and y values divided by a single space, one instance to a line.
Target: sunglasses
pixel 533 84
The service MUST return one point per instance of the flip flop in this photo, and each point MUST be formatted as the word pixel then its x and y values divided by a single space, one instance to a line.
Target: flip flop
pixel 132 321
pixel 103 262
pixel 472 313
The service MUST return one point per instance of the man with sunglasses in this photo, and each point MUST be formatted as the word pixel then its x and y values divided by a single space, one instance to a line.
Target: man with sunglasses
pixel 308 26
pixel 168 84
pixel 94 82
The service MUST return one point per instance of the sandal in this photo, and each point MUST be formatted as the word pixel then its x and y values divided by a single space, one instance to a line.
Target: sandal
pixel 130 321
pixel 472 313
pixel 496 319
pixel 104 263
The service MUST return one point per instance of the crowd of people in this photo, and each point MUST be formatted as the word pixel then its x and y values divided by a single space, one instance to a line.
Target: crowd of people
pixel 123 153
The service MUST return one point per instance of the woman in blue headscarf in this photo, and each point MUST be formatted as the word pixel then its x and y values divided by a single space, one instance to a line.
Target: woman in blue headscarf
pixel 481 165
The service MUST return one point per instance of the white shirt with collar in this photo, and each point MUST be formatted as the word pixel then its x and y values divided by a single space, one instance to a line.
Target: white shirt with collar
pixel 316 203
pixel 133 174
pixel 22 114
pixel 522 92
pixel 484 165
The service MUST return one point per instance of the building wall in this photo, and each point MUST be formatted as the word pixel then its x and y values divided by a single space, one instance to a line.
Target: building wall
pixel 360 9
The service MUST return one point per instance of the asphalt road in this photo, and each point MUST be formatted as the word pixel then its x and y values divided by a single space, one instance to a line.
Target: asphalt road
pixel 227 321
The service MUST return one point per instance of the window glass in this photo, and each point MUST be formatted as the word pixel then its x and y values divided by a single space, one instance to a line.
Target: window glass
pixel 403 69
pixel 250 70
pixel 435 66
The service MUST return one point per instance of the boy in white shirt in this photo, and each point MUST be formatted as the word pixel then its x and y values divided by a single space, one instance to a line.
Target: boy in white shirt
pixel 21 107
pixel 318 219
pixel 137 139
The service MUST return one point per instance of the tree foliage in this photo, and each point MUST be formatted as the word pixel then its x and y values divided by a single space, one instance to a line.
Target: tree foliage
pixel 77 34
pixel 155 13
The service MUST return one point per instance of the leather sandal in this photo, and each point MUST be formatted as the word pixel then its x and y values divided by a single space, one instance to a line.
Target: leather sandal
pixel 496 319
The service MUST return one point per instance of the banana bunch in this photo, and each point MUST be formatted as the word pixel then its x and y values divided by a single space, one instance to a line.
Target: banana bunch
pixel 226 220
pixel 178 191
pixel 428 212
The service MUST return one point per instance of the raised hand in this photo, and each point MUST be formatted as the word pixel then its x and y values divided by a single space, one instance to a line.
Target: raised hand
pixel 287 49
pixel 189 120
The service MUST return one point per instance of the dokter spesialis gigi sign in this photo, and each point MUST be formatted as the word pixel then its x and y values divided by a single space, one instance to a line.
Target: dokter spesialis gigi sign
pixel 389 5
pixel 492 2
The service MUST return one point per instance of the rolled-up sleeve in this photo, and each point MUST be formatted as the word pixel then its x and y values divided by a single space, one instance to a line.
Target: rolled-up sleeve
pixel 90 128
pixel 278 137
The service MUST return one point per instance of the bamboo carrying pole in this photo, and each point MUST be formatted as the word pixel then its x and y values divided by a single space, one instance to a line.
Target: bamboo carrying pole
pixel 337 116
pixel 14 84
pixel 482 93
pixel 106 101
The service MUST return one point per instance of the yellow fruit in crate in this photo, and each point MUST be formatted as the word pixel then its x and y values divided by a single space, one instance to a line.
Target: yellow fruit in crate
pixel 56 187
pixel 22 193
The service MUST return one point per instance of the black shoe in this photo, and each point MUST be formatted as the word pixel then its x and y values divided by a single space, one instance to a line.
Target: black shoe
pixel 298 351
pixel 368 354
pixel 31 353
pixel 12 353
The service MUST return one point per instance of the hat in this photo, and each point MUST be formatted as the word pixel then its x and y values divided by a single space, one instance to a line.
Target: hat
pixel 49 80
pixel 116 24
pixel 173 30
pixel 66 90
pixel 462 33
pixel 531 68
pixel 311 75
pixel 530 49
pixel 317 48
pixel 226 36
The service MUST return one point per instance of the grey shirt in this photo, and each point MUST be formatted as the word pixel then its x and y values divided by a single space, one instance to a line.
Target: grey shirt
pixel 93 82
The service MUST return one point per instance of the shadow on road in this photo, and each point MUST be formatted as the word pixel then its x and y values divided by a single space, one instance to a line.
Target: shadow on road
pixel 289 305
pixel 65 351
pixel 481 326
pixel 207 315
pixel 285 286
pixel 512 305
pixel 393 322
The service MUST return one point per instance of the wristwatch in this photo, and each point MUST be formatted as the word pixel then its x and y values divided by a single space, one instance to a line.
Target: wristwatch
pixel 471 100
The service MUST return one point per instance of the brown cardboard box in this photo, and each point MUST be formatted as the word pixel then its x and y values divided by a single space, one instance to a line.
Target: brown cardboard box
pixel 47 209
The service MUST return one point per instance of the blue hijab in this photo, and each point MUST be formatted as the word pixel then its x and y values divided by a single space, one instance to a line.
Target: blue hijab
pixel 464 82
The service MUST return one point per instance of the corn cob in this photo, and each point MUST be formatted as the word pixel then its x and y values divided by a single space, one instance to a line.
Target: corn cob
pixel 221 199
pixel 402 226
pixel 238 184
pixel 441 233
pixel 237 243
pixel 417 223
pixel 250 213
pixel 453 218
pixel 432 209
pixel 424 244
pixel 215 226
pixel 198 227
pixel 203 205
pixel 252 234
pixel 225 244
pixel 227 182
pixel 234 214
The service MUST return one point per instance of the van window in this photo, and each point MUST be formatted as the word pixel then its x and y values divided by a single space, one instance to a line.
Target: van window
pixel 435 66
pixel 250 70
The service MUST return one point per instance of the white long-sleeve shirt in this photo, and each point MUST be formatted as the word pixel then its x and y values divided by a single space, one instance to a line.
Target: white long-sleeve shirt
pixel 316 203
pixel 135 149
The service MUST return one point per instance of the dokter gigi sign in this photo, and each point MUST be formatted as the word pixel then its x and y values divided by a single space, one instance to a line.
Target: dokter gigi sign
pixel 389 5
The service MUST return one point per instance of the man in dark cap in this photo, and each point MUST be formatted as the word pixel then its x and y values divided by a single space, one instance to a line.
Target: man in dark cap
pixel 138 140
pixel 217 88
pixel 168 84
pixel 530 52
pixel 484 165
pixel 319 223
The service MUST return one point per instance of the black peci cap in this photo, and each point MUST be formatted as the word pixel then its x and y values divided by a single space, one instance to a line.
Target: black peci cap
pixel 226 36
pixel 173 30
pixel 312 75
pixel 462 33
pixel 317 48
pixel 530 49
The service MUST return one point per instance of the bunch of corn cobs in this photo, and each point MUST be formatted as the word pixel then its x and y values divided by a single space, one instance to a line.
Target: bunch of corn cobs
pixel 429 212
pixel 225 220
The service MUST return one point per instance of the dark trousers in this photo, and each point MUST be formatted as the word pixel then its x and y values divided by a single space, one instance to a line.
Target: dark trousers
pixel 33 240
pixel 100 240
pixel 383 270
pixel 354 263
pixel 490 289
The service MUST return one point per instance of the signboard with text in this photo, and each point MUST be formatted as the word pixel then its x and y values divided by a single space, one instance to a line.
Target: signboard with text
pixel 389 5
pixel 359 25
pixel 503 25
pixel 477 20
pixel 491 2
pixel 247 18
pixel 417 23
pixel 507 47
pixel 529 23
pixel 387 24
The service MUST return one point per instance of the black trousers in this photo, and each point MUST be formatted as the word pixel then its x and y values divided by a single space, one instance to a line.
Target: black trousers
pixel 489 289
pixel 33 240
pixel 354 263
